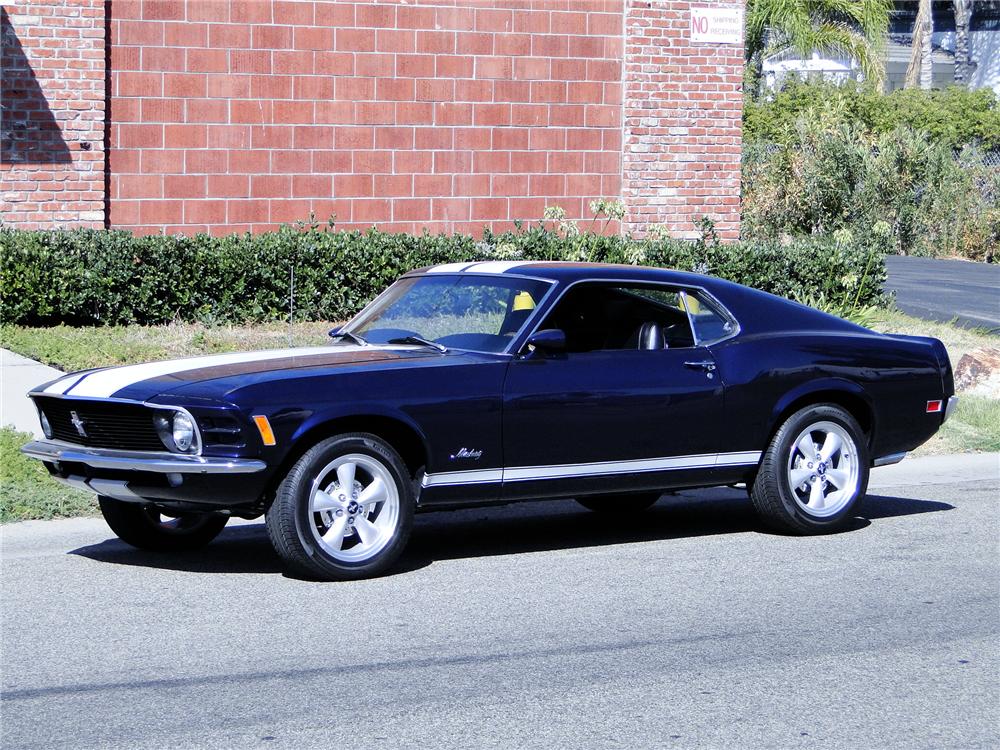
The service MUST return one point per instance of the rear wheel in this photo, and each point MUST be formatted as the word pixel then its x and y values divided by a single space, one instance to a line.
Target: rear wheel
pixel 619 503
pixel 147 527
pixel 345 509
pixel 814 473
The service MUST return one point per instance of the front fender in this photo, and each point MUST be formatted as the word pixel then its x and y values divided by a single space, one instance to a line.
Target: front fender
pixel 355 410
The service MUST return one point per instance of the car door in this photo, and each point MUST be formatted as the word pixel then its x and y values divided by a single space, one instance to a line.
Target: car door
pixel 607 415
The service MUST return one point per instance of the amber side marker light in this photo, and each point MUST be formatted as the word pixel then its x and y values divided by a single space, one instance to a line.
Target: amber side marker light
pixel 264 428
pixel 933 407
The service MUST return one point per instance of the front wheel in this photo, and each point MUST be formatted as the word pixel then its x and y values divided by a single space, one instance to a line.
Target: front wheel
pixel 147 527
pixel 814 473
pixel 345 509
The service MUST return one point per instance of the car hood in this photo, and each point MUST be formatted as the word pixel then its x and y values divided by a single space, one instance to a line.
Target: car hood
pixel 141 382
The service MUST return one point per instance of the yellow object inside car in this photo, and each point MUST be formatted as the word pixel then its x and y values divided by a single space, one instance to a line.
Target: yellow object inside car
pixel 523 301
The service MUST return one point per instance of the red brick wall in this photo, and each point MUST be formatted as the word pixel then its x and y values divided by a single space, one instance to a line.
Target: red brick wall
pixel 683 120
pixel 52 97
pixel 227 115
pixel 410 115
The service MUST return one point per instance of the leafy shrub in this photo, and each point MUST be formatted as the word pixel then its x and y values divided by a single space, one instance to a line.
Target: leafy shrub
pixel 98 277
pixel 952 117
pixel 899 190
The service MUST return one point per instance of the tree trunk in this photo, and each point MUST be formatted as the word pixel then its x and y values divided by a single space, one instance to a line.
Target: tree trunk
pixel 919 70
pixel 963 13
pixel 927 53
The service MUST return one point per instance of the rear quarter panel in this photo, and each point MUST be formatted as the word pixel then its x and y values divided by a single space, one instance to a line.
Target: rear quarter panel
pixel 767 374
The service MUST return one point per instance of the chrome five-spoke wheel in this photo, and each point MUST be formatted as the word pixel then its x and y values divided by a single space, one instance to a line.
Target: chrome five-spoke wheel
pixel 814 471
pixel 344 510
pixel 354 516
pixel 823 469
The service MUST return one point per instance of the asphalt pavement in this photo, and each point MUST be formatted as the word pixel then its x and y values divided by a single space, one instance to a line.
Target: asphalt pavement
pixel 536 625
pixel 945 290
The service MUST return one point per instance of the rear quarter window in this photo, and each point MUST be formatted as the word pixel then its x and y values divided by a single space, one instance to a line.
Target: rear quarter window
pixel 709 323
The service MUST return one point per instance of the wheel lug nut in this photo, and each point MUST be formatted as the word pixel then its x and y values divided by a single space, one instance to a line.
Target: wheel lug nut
pixel 340 512
pixel 809 465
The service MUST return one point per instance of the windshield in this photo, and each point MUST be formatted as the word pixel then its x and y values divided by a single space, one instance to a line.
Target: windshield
pixel 461 311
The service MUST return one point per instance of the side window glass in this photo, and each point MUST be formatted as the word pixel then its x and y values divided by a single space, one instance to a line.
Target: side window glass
pixel 605 316
pixel 709 323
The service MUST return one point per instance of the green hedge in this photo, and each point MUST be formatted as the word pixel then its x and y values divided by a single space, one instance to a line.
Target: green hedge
pixel 97 277
pixel 954 117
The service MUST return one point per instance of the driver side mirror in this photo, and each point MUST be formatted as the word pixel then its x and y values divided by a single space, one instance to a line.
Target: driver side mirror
pixel 547 341
pixel 333 331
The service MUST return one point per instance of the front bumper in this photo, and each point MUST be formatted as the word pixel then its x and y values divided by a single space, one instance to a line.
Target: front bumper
pixel 159 463
pixel 169 480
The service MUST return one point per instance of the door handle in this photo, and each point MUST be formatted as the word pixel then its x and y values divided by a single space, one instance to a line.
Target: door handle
pixel 706 365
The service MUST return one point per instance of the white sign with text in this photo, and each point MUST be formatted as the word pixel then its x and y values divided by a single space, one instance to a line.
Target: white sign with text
pixel 717 25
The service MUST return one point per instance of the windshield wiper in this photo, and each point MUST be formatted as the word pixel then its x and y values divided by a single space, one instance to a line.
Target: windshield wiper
pixel 348 335
pixel 418 340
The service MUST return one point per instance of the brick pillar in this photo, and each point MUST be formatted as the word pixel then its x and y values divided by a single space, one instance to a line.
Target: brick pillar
pixel 682 129
pixel 52 99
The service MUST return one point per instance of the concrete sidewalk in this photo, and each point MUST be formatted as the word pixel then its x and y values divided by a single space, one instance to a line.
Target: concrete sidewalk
pixel 18 375
pixel 947 469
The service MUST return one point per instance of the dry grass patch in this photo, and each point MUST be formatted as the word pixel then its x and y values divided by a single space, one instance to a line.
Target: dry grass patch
pixel 70 348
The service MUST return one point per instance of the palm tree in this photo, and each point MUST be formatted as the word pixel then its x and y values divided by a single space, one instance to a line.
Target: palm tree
pixel 854 28
pixel 920 70
pixel 963 14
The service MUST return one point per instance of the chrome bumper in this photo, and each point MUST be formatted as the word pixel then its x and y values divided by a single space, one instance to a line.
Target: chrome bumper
pixel 161 463
pixel 952 403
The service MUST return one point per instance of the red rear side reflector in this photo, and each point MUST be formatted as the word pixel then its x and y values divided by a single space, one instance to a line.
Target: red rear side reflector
pixel 933 407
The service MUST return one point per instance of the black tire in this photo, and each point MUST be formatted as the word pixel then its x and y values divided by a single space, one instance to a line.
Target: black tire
pixel 143 526
pixel 297 532
pixel 619 503
pixel 786 508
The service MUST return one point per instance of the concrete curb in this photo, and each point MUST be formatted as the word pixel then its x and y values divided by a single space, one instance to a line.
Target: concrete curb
pixel 18 375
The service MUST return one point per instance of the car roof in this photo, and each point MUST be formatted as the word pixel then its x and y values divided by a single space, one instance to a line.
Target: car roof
pixel 570 271
pixel 756 311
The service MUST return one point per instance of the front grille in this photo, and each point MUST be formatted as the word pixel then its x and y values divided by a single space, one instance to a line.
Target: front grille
pixel 107 424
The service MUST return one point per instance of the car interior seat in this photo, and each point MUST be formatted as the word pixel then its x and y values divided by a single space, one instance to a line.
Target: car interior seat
pixel 650 336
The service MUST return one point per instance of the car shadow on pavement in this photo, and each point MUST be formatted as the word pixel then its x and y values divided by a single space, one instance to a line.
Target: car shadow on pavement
pixel 238 549
pixel 508 530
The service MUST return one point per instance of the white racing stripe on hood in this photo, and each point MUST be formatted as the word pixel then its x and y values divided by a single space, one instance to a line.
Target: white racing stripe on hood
pixel 104 383
pixel 62 385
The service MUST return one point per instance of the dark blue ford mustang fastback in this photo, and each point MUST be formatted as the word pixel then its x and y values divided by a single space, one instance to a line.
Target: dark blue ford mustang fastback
pixel 493 382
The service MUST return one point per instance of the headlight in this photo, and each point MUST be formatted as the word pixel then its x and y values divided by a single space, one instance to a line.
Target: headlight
pixel 46 427
pixel 177 431
pixel 183 432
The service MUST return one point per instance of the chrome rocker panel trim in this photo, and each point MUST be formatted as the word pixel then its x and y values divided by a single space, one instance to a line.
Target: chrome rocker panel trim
pixel 633 466
pixel 161 463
